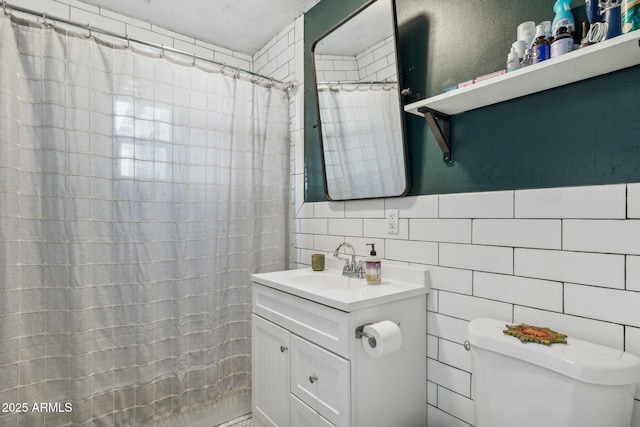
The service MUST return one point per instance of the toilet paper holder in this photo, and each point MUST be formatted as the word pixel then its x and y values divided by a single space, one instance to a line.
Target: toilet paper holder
pixel 361 333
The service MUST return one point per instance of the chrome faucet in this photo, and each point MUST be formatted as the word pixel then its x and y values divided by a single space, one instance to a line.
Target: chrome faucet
pixel 350 269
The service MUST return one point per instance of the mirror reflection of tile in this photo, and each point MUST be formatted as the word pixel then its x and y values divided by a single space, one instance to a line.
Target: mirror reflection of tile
pixel 360 116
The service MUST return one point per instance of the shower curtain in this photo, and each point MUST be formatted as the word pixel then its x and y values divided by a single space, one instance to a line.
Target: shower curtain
pixel 137 195
pixel 362 139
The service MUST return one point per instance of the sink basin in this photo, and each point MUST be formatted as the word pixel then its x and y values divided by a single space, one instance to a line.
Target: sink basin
pixel 327 281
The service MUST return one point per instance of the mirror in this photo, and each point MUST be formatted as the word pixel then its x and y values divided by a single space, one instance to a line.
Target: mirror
pixel 360 116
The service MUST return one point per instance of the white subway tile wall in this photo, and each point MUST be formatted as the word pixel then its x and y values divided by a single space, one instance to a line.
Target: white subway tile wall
pixel 123 25
pixel 378 63
pixel 277 58
pixel 580 267
pixel 572 202
pixel 609 236
pixel 633 273
pixel 633 202
pixel 333 68
pixel 523 233
pixel 375 64
pixel 567 258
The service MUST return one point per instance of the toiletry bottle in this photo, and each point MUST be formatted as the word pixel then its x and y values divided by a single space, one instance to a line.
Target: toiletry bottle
pixel 562 43
pixel 584 41
pixel 593 10
pixel 373 270
pixel 540 50
pixel 526 59
pixel 547 31
pixel 513 62
pixel 612 16
pixel 563 18
pixel 630 13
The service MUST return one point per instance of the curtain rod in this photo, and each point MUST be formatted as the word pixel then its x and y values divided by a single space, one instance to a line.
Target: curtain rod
pixel 255 76
pixel 356 82
pixel 336 85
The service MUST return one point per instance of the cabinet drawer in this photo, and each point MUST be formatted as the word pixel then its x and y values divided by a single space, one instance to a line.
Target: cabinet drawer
pixel 321 380
pixel 302 415
pixel 323 325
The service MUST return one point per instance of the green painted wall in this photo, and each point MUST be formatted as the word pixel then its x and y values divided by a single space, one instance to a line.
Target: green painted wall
pixel 583 134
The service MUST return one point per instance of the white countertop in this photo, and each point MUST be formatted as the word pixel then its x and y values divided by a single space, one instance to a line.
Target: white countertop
pixel 330 288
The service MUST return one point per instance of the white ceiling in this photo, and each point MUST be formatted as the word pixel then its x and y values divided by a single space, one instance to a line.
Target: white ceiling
pixel 360 32
pixel 240 25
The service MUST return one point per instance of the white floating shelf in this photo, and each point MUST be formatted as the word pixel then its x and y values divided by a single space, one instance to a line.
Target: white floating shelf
pixel 602 58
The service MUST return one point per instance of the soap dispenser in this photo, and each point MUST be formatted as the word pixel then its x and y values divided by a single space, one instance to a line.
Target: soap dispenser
pixel 373 268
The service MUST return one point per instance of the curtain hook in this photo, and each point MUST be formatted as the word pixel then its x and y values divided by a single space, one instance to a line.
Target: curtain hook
pixel 128 41
pixel 89 28
pixel 224 65
pixel 193 64
pixel 237 74
pixel 44 21
pixel 4 8
pixel 161 51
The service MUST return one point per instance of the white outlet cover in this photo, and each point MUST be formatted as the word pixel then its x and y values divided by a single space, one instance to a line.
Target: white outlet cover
pixel 393 222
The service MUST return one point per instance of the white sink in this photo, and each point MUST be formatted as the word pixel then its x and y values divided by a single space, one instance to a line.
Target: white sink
pixel 330 287
pixel 327 281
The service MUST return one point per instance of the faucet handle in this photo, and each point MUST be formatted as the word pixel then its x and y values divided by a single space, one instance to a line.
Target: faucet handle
pixel 361 269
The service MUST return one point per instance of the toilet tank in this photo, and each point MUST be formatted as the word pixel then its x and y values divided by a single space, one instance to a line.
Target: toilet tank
pixel 578 384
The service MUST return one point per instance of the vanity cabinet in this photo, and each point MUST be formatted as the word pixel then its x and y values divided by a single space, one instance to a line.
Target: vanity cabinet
pixel 309 369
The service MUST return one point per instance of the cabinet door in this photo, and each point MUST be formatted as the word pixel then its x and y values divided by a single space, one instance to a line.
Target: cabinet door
pixel 270 377
pixel 321 380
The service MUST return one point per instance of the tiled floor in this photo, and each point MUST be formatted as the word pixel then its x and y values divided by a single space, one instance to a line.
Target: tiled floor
pixel 244 421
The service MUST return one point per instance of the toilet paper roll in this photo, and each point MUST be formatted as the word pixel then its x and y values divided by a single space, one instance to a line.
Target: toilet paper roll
pixel 387 335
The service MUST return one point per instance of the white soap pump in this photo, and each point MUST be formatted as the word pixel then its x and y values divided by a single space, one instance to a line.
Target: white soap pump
pixel 373 267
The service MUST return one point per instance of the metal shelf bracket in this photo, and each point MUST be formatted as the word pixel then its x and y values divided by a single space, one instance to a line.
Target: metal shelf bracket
pixel 442 134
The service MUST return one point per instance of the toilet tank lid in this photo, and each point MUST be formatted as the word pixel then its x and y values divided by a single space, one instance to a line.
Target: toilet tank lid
pixel 580 360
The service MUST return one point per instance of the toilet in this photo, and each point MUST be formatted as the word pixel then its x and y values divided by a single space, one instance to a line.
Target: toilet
pixel 578 384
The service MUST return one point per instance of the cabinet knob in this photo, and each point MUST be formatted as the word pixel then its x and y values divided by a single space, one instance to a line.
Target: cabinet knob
pixel 283 348
pixel 313 378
